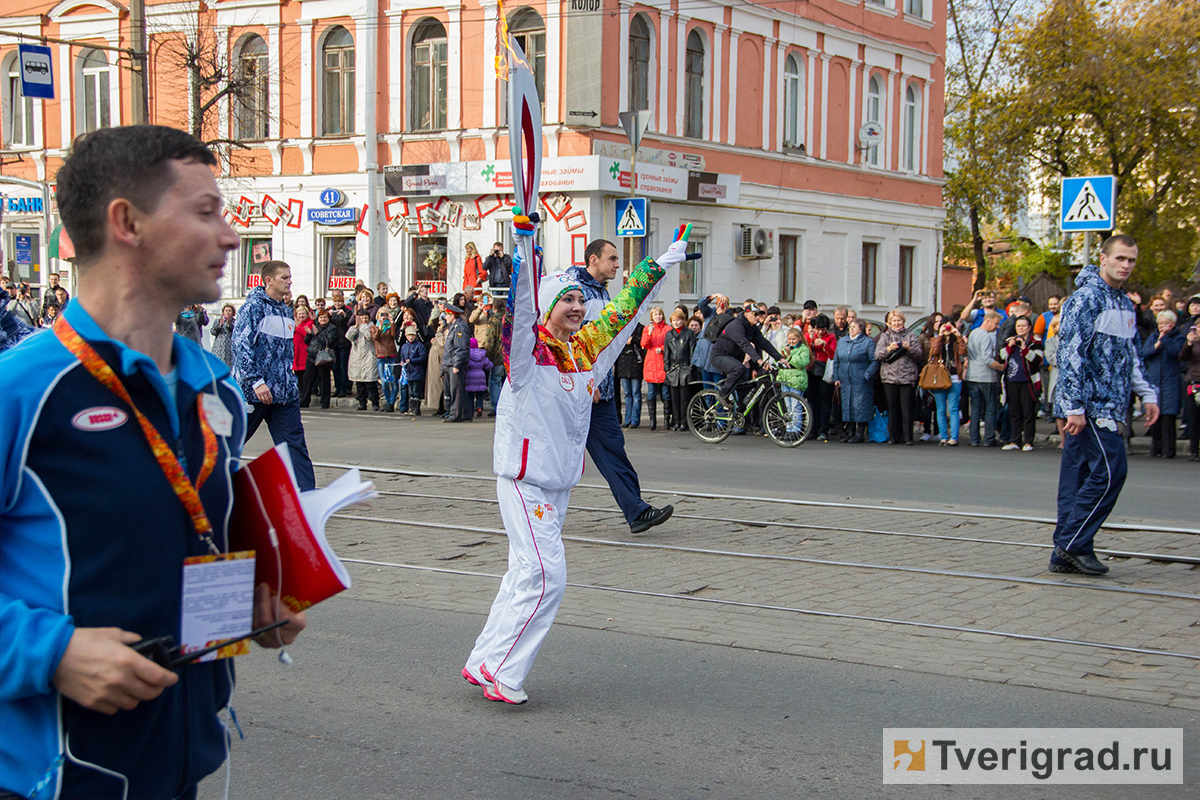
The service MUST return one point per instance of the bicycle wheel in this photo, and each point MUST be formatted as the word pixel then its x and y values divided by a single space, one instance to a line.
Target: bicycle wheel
pixel 787 418
pixel 707 419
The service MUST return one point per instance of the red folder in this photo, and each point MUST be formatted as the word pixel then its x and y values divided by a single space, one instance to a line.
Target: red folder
pixel 286 528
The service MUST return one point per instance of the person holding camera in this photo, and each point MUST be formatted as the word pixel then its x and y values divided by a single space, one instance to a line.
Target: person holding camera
pixel 24 308
pixel 950 347
pixel 498 268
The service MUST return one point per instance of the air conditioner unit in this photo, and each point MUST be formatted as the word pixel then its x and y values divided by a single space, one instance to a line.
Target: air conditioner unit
pixel 754 242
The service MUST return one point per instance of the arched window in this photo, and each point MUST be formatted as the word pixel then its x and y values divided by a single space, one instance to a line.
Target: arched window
pixel 253 94
pixel 639 64
pixel 92 94
pixel 693 87
pixel 908 122
pixel 338 83
pixel 874 114
pixel 18 110
pixel 529 30
pixel 428 92
pixel 793 103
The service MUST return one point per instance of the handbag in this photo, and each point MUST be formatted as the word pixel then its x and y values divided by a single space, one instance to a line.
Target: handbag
pixel 934 376
pixel 324 356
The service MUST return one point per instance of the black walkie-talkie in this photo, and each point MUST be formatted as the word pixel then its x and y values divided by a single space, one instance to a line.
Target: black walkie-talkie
pixel 164 651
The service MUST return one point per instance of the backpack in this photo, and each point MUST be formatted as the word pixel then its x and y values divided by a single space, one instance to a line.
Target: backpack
pixel 716 326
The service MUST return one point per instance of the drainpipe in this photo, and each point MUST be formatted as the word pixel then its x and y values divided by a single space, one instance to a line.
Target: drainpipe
pixel 376 248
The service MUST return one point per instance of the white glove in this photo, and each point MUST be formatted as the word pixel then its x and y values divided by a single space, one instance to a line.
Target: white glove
pixel 676 254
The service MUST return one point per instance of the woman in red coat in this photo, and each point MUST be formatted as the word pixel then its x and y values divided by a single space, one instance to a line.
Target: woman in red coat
pixel 473 274
pixel 304 325
pixel 654 372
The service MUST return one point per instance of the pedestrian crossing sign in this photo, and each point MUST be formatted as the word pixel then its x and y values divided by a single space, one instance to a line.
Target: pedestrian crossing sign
pixel 632 213
pixel 1088 204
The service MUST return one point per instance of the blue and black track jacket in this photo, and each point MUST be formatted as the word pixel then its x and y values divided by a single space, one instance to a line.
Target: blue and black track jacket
pixel 92 535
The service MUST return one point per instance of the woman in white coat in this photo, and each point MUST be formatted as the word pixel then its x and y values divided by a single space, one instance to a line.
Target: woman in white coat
pixel 553 361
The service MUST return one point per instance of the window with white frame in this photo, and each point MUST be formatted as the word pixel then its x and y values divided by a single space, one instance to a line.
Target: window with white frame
pixel 907 257
pixel 690 272
pixel 528 28
pixel 428 93
pixel 18 109
pixel 915 8
pixel 338 83
pixel 693 87
pixel 789 257
pixel 92 98
pixel 252 103
pixel 870 272
pixel 874 114
pixel 909 133
pixel 639 63
pixel 793 103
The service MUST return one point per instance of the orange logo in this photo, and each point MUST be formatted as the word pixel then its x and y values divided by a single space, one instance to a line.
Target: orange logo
pixel 539 512
pixel 591 385
pixel 909 755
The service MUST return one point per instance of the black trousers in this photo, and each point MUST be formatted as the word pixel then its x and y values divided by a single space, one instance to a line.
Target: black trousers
pixel 1022 412
pixel 319 377
pixel 1162 435
pixel 820 396
pixel 900 407
pixel 458 403
pixel 367 390
pixel 680 397
pixel 733 369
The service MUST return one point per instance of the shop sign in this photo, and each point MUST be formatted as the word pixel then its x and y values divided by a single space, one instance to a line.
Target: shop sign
pixel 413 179
pixel 435 287
pixel 23 205
pixel 342 281
pixel 24 248
pixel 332 216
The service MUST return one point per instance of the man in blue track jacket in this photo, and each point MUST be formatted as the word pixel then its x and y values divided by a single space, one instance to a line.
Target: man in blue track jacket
pixel 1099 372
pixel 93 534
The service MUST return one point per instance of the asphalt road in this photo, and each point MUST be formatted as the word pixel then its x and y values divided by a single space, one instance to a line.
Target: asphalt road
pixel 375 708
pixel 924 475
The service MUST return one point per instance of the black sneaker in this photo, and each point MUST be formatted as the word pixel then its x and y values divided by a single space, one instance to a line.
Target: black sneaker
pixel 651 517
pixel 1084 563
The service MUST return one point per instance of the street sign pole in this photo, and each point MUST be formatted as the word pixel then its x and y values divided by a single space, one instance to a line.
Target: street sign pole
pixel 635 124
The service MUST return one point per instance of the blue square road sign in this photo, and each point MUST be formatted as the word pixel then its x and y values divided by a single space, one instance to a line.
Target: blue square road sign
pixel 37 73
pixel 632 216
pixel 1088 203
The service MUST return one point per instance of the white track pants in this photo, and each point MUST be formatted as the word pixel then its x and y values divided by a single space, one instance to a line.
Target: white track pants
pixel 532 589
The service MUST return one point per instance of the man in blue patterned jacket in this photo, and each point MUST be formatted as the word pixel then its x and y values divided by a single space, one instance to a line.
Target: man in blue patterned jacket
pixel 1099 372
pixel 262 363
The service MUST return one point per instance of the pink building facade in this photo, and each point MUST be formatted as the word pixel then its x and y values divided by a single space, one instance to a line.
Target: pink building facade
pixel 372 139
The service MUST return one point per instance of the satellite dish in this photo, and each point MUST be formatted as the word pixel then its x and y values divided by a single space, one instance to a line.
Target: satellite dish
pixel 871 135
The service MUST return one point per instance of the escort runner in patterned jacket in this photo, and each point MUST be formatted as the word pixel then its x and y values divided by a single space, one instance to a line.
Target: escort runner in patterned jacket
pixel 541 432
pixel 262 347
pixel 1098 361
pixel 75 550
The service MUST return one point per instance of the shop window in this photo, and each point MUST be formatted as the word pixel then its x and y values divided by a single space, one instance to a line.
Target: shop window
pixel 255 252
pixel 870 272
pixel 429 263
pixel 339 262
pixel 789 251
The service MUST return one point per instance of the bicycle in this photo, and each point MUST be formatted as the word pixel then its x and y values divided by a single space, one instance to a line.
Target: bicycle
pixel 786 415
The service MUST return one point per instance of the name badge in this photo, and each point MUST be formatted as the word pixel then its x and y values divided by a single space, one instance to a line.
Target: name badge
pixel 218 414
pixel 218 603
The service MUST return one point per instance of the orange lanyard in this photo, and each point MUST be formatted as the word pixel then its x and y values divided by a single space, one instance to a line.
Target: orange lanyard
pixel 168 461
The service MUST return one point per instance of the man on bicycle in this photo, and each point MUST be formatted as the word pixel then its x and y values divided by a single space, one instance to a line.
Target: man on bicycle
pixel 738 349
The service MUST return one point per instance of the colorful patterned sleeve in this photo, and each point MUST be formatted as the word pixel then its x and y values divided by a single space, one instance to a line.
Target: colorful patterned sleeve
pixel 602 339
